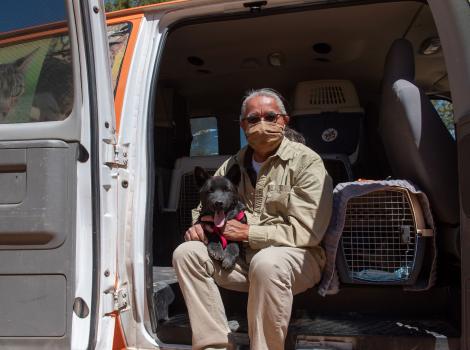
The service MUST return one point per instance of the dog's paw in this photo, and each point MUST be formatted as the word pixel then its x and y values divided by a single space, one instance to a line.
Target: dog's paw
pixel 215 251
pixel 231 253
pixel 229 262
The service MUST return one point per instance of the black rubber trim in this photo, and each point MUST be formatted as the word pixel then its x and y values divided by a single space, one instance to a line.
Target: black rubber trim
pixel 150 204
pixel 464 165
pixel 94 164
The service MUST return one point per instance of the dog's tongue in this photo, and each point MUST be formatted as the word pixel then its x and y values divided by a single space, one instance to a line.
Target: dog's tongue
pixel 219 218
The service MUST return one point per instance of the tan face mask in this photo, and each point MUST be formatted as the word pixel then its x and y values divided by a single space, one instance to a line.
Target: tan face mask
pixel 264 137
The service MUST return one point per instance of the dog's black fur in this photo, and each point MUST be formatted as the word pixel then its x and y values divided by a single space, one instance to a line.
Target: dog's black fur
pixel 219 198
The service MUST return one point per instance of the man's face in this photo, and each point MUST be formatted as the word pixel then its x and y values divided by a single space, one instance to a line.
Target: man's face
pixel 262 106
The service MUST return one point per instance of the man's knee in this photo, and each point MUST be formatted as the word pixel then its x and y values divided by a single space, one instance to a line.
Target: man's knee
pixel 265 266
pixel 189 252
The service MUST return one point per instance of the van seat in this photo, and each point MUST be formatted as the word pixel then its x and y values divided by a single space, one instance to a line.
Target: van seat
pixel 184 194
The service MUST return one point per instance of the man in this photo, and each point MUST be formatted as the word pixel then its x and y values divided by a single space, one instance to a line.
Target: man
pixel 288 198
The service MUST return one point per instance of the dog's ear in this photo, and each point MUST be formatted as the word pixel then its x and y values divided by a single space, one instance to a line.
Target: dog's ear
pixel 234 174
pixel 200 176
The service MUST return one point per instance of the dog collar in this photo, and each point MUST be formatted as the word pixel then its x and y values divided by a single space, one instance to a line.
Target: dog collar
pixel 240 215
pixel 223 240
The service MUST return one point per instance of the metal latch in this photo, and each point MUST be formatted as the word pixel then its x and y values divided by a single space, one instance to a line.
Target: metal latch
pixel 121 299
pixel 116 300
pixel 119 156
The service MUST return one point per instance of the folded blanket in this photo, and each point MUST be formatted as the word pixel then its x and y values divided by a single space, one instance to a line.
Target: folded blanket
pixel 342 193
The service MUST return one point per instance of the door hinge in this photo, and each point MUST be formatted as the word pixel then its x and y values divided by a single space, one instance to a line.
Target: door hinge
pixel 118 300
pixel 117 155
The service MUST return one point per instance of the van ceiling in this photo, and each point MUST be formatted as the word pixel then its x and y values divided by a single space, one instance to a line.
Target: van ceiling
pixel 235 52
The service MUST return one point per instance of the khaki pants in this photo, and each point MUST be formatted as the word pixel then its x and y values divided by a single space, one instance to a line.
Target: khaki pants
pixel 271 276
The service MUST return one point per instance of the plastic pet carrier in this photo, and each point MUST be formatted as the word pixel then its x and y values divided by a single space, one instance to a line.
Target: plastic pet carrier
pixel 382 241
pixel 338 167
pixel 329 116
pixel 184 194
pixel 189 199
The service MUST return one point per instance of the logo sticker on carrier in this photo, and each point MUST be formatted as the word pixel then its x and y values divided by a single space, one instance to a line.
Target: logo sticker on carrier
pixel 329 135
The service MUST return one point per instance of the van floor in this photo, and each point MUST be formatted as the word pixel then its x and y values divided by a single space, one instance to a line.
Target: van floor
pixel 391 321
pixel 370 331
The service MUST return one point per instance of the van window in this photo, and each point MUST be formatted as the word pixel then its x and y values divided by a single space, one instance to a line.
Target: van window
pixel 36 78
pixel 205 136
pixel 445 110
pixel 118 37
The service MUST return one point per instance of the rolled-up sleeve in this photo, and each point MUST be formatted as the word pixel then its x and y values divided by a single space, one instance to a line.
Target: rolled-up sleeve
pixel 306 215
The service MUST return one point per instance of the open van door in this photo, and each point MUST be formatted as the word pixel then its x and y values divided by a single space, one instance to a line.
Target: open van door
pixel 57 190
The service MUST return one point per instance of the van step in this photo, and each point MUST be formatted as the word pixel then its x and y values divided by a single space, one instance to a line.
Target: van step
pixel 163 277
pixel 349 325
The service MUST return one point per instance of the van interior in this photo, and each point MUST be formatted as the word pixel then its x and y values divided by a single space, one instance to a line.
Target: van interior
pixel 335 63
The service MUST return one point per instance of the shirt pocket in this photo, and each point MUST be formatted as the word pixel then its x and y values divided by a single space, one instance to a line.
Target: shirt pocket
pixel 277 200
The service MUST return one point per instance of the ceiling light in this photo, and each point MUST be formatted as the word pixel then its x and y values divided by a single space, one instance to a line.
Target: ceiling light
pixel 276 59
pixel 430 46
pixel 322 48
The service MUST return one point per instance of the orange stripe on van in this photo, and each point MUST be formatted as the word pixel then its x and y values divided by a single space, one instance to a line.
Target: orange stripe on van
pixel 144 8
pixel 31 36
pixel 126 62
pixel 119 341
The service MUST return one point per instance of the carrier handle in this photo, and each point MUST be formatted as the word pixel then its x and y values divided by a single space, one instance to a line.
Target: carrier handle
pixel 419 216
pixel 425 232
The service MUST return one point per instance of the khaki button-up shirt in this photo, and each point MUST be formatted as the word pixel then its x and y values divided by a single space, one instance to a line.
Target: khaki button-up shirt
pixel 289 202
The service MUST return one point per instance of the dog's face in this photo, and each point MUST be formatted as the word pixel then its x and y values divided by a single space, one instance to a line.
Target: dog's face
pixel 218 194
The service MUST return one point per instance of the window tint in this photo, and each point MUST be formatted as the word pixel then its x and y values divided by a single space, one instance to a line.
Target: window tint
pixel 205 137
pixel 36 82
pixel 36 77
pixel 446 111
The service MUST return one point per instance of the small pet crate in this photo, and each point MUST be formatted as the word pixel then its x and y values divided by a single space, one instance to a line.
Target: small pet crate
pixel 382 241
pixel 329 116
pixel 189 199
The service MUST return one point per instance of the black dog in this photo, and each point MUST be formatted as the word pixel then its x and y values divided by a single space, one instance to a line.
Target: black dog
pixel 219 198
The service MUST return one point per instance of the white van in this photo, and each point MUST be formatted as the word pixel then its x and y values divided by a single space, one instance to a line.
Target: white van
pixel 104 116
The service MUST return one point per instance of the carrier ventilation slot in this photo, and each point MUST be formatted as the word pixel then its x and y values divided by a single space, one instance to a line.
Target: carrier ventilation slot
pixel 379 238
pixel 327 95
pixel 320 96
pixel 189 199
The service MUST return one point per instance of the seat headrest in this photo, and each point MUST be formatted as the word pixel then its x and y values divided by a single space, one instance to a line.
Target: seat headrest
pixel 400 62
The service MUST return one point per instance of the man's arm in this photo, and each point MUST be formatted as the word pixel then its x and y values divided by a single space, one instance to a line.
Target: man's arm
pixel 308 212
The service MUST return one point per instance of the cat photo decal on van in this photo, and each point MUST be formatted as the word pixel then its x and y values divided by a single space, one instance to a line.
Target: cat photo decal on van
pixel 36 81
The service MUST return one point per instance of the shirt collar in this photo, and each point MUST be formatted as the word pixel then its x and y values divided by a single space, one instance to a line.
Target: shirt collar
pixel 285 150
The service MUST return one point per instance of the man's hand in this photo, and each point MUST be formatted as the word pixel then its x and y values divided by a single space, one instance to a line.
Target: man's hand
pixel 236 231
pixel 196 232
